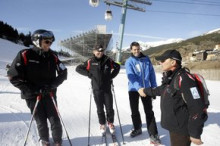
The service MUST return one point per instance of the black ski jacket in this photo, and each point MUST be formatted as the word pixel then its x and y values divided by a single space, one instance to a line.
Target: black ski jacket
pixel 33 69
pixel 100 71
pixel 181 110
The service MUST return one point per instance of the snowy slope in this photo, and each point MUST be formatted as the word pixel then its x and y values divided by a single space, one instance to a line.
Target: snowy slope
pixel 8 52
pixel 73 102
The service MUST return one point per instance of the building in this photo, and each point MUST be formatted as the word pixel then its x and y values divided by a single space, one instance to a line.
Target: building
pixel 82 44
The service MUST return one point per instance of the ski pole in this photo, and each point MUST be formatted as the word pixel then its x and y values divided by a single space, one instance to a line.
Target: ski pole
pixel 32 117
pixel 118 113
pixel 52 97
pixel 89 116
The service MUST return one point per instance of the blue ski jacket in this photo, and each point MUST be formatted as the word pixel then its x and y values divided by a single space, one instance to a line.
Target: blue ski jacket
pixel 140 73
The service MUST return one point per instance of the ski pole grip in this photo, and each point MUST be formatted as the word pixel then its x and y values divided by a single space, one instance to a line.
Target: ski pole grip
pixel 51 94
pixel 39 97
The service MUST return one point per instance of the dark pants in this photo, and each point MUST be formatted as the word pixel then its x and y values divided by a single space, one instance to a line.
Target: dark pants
pixel 104 98
pixel 135 114
pixel 177 139
pixel 46 110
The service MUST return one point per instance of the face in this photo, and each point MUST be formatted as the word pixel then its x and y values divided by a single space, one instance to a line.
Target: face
pixel 135 50
pixel 45 44
pixel 98 54
pixel 168 64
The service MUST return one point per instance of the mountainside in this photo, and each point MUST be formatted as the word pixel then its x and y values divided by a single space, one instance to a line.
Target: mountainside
pixel 207 41
pixel 203 42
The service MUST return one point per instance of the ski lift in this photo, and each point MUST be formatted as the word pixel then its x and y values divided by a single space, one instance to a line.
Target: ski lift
pixel 94 3
pixel 108 14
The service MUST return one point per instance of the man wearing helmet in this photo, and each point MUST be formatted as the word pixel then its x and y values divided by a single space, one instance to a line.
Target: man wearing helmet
pixel 38 71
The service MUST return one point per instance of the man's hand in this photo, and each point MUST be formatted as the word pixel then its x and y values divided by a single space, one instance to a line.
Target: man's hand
pixel 196 141
pixel 46 89
pixel 141 92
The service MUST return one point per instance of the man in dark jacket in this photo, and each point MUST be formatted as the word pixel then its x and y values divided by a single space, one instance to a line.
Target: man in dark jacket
pixel 182 111
pixel 101 70
pixel 38 71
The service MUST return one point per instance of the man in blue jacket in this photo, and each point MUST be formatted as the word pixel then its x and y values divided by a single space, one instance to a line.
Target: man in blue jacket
pixel 141 74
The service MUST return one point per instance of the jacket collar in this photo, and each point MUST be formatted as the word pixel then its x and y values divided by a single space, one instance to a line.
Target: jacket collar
pixel 140 56
pixel 40 52
pixel 169 75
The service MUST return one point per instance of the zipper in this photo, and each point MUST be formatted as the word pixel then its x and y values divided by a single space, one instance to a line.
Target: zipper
pixel 142 70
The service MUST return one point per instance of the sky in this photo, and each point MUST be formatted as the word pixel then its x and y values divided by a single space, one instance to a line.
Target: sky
pixel 164 19
pixel 73 97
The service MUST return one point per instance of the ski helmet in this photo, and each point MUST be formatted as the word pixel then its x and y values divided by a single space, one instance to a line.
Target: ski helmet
pixel 40 34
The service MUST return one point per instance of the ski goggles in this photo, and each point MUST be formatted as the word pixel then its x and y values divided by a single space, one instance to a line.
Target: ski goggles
pixel 47 36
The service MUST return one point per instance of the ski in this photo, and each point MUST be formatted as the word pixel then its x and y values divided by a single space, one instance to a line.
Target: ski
pixel 104 139
pixel 114 140
pixel 154 144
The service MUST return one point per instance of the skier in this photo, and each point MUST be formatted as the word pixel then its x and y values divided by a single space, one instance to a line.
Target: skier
pixel 141 74
pixel 182 111
pixel 34 71
pixel 101 70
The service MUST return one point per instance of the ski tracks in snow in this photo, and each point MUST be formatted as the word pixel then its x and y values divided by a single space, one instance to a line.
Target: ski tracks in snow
pixel 20 123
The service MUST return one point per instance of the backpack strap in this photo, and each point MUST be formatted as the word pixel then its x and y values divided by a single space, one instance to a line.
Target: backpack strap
pixel 178 80
pixel 56 58
pixel 88 65
pixel 111 64
pixel 24 55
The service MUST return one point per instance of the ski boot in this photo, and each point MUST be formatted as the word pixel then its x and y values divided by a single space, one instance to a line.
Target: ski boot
pixel 135 132
pixel 111 128
pixel 102 129
pixel 44 143
pixel 155 140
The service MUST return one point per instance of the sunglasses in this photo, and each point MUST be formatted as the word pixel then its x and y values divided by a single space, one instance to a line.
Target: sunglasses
pixel 100 50
pixel 48 42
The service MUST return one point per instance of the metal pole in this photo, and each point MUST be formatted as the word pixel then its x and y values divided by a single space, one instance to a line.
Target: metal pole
pixel 90 104
pixel 118 113
pixel 51 95
pixel 34 111
pixel 121 29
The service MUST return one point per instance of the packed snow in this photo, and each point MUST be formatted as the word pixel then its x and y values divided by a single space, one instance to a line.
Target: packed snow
pixel 73 101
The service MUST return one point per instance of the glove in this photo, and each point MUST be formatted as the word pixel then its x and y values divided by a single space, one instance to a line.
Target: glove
pixel 46 89
pixel 90 75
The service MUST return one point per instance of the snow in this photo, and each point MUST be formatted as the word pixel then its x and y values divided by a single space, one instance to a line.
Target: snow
pixel 212 31
pixel 147 45
pixel 73 102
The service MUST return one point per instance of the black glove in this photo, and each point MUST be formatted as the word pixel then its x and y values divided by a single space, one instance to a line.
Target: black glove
pixel 90 75
pixel 46 89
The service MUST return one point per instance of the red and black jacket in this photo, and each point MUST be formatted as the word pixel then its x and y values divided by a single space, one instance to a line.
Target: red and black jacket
pixel 181 112
pixel 32 69
pixel 100 71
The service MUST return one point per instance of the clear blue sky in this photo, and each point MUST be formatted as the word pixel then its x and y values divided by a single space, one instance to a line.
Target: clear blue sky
pixel 162 20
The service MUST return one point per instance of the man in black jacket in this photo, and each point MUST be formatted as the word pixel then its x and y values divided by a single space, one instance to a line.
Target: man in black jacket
pixel 182 111
pixel 101 70
pixel 38 71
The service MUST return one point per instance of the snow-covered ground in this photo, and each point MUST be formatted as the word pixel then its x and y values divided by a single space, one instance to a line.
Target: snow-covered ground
pixel 73 102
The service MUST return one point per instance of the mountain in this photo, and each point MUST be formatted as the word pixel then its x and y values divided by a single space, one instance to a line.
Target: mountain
pixel 147 45
pixel 213 31
pixel 207 41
